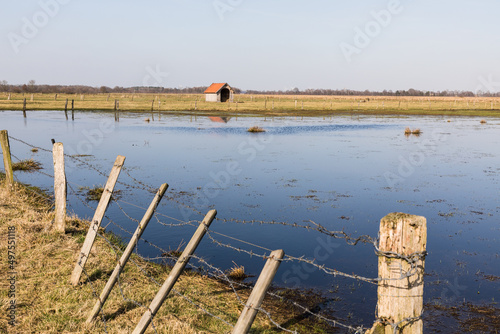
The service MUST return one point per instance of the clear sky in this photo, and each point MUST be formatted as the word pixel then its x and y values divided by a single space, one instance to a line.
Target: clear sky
pixel 253 44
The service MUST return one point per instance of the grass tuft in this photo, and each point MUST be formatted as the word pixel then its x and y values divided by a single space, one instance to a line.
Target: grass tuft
pixel 417 132
pixel 256 129
pixel 29 165
pixel 237 272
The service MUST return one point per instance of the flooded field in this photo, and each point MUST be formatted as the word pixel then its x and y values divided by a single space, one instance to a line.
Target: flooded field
pixel 343 172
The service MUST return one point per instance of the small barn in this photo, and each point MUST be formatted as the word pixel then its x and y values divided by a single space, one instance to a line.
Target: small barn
pixel 219 92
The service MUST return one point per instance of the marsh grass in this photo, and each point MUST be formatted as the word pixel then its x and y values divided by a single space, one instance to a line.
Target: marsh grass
pixel 95 193
pixel 28 165
pixel 416 132
pixel 237 272
pixel 256 129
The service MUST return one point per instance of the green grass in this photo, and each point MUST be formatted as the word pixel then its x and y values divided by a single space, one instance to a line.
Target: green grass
pixel 270 105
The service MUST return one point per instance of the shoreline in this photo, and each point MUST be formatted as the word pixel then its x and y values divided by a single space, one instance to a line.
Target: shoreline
pixel 246 105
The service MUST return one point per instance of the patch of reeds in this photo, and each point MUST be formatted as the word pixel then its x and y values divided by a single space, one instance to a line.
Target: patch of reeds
pixel 256 129
pixel 237 272
pixel 483 121
pixel 29 165
pixel 34 150
pixel 95 193
pixel 415 132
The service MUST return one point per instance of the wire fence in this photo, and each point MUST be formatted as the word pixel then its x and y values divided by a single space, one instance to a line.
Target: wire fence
pixel 227 242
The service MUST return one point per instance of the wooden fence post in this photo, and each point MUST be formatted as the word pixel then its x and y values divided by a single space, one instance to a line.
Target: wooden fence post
pixel 66 109
pixel 126 254
pixel 7 159
pixel 174 274
pixel 60 189
pixel 24 108
pixel 96 221
pixel 400 299
pixel 258 293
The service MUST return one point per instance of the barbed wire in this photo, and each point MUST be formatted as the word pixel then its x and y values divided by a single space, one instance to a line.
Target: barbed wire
pixel 412 259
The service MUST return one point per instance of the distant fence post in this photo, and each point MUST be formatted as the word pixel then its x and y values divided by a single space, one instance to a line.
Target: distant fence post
pixel 401 261
pixel 66 109
pixel 7 159
pixel 24 107
pixel 258 293
pixel 60 190
pixel 126 254
pixel 96 221
pixel 174 274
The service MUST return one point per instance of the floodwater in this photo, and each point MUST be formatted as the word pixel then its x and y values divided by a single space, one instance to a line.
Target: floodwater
pixel 342 172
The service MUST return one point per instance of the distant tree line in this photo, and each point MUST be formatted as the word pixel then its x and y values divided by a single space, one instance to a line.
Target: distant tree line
pixel 32 87
pixel 343 92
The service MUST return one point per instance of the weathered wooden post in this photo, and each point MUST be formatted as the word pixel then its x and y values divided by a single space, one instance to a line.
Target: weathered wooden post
pixel 126 254
pixel 152 105
pixel 60 190
pixel 116 101
pixel 7 159
pixel 96 221
pixel 174 274
pixel 72 110
pixel 258 293
pixel 402 246
pixel 24 108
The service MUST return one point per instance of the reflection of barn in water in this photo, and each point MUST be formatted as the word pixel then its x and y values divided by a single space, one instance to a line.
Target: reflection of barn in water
pixel 219 119
pixel 219 92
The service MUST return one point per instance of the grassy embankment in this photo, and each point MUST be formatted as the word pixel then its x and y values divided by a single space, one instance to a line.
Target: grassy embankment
pixel 250 105
pixel 48 303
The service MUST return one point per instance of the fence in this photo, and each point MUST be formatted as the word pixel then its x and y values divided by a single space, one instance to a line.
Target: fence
pixel 400 247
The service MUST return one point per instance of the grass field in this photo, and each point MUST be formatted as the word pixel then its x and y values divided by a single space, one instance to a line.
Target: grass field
pixel 271 105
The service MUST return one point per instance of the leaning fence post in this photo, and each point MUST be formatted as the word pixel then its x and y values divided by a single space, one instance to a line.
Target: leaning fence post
pixel 126 254
pixel 7 159
pixel 401 260
pixel 174 274
pixel 96 221
pixel 60 189
pixel 258 293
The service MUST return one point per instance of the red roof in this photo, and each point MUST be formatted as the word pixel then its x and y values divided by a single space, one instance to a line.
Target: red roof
pixel 214 88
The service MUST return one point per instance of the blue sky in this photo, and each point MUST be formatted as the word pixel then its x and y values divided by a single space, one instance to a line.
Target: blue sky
pixel 253 44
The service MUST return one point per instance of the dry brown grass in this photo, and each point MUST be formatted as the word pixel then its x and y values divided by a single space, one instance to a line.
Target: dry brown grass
pixel 28 165
pixel 237 272
pixel 48 303
pixel 256 129
pixel 416 132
